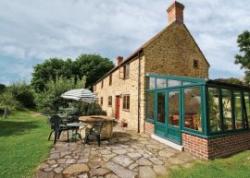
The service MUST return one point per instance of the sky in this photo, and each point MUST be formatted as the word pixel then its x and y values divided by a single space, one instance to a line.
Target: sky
pixel 34 30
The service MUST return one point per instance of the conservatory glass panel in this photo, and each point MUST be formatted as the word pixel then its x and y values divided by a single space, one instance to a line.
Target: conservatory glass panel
pixel 150 105
pixel 238 110
pixel 151 83
pixel 161 107
pixel 173 108
pixel 214 110
pixel 161 83
pixel 227 109
pixel 187 83
pixel 246 97
pixel 192 100
pixel 174 83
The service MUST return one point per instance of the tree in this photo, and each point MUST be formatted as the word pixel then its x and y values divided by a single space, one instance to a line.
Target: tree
pixel 50 99
pixel 92 66
pixel 243 58
pixel 51 69
pixel 231 80
pixel 8 103
pixel 23 93
pixel 2 88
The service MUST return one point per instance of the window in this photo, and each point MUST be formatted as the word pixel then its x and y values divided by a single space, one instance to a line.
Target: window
pixel 227 109
pixel 110 79
pixel 102 84
pixel 214 110
pixel 173 108
pixel 150 105
pixel 126 71
pixel 193 108
pixel 126 102
pixel 110 101
pixel 195 64
pixel 161 107
pixel 101 101
pixel 238 110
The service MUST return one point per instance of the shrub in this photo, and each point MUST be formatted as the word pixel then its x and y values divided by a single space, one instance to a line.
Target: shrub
pixel 50 100
pixel 8 103
pixel 85 109
pixel 23 93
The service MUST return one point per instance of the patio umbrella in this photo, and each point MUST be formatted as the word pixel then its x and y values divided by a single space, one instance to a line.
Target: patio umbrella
pixel 84 95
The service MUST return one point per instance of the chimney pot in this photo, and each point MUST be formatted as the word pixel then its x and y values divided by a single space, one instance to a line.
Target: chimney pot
pixel 175 13
pixel 119 60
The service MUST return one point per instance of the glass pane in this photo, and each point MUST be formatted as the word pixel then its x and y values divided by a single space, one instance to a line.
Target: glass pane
pixel 214 110
pixel 247 104
pixel 173 108
pixel 151 83
pixel 187 83
pixel 238 111
pixel 193 108
pixel 173 83
pixel 150 105
pixel 161 107
pixel 161 83
pixel 227 109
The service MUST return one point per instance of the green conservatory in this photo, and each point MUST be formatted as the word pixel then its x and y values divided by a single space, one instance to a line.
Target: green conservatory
pixel 202 108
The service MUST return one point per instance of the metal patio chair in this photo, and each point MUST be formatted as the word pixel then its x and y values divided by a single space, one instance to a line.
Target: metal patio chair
pixel 94 133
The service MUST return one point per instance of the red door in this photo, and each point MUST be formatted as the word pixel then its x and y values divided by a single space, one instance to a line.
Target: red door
pixel 117 107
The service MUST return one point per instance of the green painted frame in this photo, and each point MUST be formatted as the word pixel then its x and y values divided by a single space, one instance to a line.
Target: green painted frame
pixel 204 85
pixel 232 88
pixel 194 82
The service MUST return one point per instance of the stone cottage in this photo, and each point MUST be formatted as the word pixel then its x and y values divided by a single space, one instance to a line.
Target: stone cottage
pixel 173 51
pixel 163 89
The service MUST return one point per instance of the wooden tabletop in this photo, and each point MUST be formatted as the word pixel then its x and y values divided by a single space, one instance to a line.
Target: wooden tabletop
pixel 95 118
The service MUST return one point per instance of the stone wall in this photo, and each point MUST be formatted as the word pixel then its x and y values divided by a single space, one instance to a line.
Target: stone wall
pixel 122 87
pixel 216 147
pixel 173 52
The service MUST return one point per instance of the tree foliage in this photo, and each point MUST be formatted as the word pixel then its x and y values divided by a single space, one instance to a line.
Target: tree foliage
pixel 231 80
pixel 49 100
pixel 8 103
pixel 91 66
pixel 23 93
pixel 243 58
pixel 2 88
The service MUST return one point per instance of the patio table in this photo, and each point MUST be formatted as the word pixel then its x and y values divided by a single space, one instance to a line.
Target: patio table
pixel 108 124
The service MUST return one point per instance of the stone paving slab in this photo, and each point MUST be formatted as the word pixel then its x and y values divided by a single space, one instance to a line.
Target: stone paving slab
pixel 127 155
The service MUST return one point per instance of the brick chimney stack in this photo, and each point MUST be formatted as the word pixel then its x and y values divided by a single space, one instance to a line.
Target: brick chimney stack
pixel 175 13
pixel 119 60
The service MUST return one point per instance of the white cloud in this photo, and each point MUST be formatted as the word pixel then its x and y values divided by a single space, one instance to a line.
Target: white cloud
pixel 31 30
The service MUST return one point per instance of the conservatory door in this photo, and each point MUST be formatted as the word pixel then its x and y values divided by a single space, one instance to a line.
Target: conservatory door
pixel 160 107
pixel 174 116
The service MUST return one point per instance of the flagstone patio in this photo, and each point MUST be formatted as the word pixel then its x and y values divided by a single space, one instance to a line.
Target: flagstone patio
pixel 127 155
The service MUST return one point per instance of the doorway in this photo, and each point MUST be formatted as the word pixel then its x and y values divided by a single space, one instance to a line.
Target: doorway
pixel 117 107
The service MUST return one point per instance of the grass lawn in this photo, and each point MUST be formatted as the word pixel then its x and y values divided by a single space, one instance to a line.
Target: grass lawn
pixel 23 144
pixel 237 166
